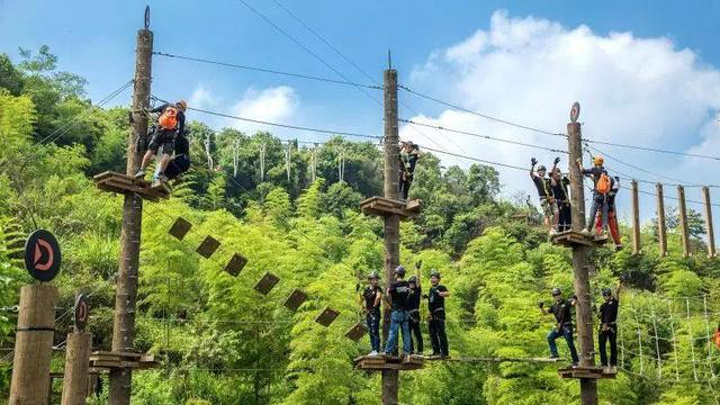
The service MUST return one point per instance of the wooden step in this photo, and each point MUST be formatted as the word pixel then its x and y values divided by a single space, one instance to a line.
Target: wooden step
pixel 585 372
pixel 120 183
pixel 383 362
pixel 572 238
pixel 381 206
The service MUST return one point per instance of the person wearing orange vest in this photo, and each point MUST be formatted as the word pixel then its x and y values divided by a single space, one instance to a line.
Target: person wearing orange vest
pixel 716 337
pixel 612 215
pixel 170 124
pixel 601 187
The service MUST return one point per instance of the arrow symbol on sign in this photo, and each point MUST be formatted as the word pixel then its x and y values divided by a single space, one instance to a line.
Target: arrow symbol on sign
pixel 38 255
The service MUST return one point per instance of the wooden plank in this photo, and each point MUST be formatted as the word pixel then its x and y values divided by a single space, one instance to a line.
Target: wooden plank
pixel 662 229
pixel 684 228
pixel 120 183
pixel 180 228
pixel 235 265
pixel 572 238
pixel 208 247
pixel 585 372
pixel 327 317
pixel 266 283
pixel 295 299
pixel 356 332
pixel 709 222
pixel 635 203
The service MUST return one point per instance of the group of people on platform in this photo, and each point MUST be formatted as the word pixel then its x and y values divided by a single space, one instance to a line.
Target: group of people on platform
pixel 404 297
pixel 166 141
pixel 555 198
pixel 607 330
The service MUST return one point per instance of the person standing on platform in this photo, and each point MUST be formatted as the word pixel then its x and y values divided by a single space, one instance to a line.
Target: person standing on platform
pixel 612 215
pixel 547 200
pixel 601 188
pixel 608 327
pixel 398 293
pixel 409 155
pixel 372 297
pixel 436 305
pixel 416 342
pixel 562 309
pixel 559 184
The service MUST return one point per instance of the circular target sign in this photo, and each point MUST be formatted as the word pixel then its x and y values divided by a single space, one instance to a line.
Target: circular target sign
pixel 575 112
pixel 42 255
pixel 82 312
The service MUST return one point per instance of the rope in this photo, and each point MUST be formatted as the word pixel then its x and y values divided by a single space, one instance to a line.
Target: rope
pixel 648 149
pixel 639 335
pixel 707 330
pixel 674 341
pixel 657 343
pixel 692 341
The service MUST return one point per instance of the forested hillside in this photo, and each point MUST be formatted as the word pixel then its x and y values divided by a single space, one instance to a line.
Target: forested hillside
pixel 224 343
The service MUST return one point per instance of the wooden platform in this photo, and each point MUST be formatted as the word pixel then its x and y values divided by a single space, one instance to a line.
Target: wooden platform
pixel 383 362
pixel 123 184
pixel 572 238
pixel 380 206
pixel 586 372
pixel 113 360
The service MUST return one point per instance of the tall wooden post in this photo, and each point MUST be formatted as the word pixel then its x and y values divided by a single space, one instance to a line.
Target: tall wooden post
pixel 588 386
pixel 127 282
pixel 709 222
pixel 392 222
pixel 635 216
pixel 682 215
pixel 662 227
pixel 33 345
pixel 77 364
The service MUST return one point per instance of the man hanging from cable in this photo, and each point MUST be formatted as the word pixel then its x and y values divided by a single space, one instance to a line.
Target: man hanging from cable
pixel 562 309
pixel 398 296
pixel 372 297
pixel 436 305
pixel 547 200
pixel 612 214
pixel 409 155
pixel 414 312
pixel 601 188
pixel 608 327
pixel 559 184
pixel 170 123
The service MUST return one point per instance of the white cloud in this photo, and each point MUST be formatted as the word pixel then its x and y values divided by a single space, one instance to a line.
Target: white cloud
pixel 202 98
pixel 275 104
pixel 633 90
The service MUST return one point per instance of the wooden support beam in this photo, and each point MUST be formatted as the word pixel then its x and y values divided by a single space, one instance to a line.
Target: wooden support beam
pixel 77 365
pixel 33 345
pixel 682 215
pixel 709 222
pixel 635 202
pixel 662 226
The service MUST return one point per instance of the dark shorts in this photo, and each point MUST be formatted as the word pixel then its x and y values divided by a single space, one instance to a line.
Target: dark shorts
pixel 162 141
pixel 177 166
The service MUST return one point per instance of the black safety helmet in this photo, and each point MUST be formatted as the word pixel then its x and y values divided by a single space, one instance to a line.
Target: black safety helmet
pixel 556 291
pixel 541 168
pixel 606 292
pixel 373 275
pixel 412 279
pixel 400 271
pixel 435 273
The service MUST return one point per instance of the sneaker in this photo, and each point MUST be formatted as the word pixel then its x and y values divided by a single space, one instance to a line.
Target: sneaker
pixel 618 247
pixel 574 365
pixel 140 174
pixel 553 232
pixel 552 357
pixel 373 353
pixel 585 232
pixel 163 178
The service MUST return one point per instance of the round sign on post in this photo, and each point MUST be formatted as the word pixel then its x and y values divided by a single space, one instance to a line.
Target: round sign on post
pixel 575 112
pixel 82 312
pixel 42 255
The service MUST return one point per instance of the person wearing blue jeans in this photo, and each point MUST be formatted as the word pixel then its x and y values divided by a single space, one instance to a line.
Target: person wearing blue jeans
pixel 398 293
pixel 372 296
pixel 599 200
pixel 563 315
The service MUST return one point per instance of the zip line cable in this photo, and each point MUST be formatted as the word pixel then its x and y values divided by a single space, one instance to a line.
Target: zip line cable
pixel 264 70
pixel 656 150
pixel 489 117
pixel 457 131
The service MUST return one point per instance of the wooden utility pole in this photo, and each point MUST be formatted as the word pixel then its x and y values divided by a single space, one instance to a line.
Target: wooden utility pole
pixel 682 215
pixel 127 281
pixel 392 222
pixel 588 386
pixel 709 222
pixel 77 364
pixel 662 227
pixel 33 345
pixel 635 216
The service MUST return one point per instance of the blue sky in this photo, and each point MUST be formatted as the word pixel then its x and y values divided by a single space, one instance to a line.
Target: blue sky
pixel 644 74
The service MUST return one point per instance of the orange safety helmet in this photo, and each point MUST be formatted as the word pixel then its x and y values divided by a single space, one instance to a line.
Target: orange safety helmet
pixel 182 104
pixel 598 160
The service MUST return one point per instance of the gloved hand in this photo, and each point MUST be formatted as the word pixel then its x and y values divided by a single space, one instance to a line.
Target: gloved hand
pixel 617 178
pixel 541 305
pixel 533 161
pixel 557 160
pixel 418 264
pixel 623 278
pixel 357 287
pixel 426 296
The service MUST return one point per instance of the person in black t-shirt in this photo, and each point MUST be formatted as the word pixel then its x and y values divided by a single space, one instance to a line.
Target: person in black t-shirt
pixel 161 141
pixel 372 296
pixel 559 185
pixel 547 200
pixel 409 156
pixel 599 202
pixel 608 326
pixel 562 309
pixel 436 306
pixel 180 162
pixel 414 315
pixel 398 293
